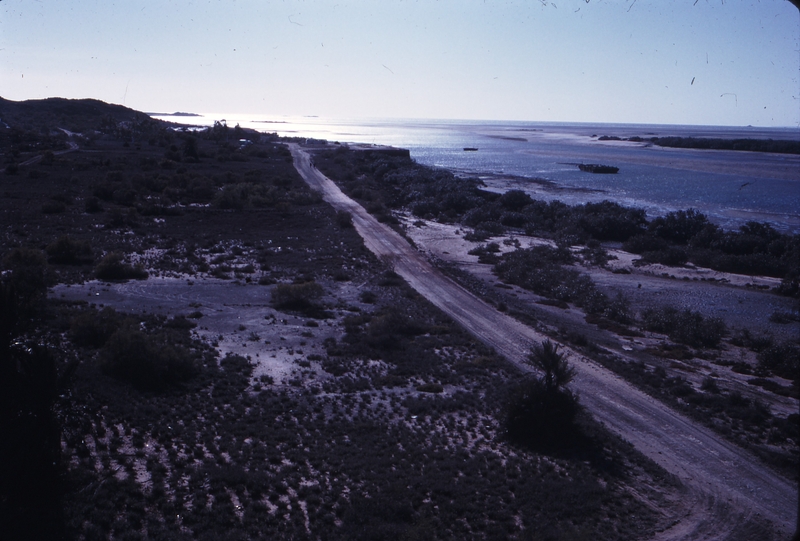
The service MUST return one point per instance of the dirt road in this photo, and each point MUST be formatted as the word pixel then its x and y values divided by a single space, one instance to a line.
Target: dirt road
pixel 727 486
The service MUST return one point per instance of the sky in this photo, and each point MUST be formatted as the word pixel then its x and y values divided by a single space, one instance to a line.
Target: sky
pixel 709 62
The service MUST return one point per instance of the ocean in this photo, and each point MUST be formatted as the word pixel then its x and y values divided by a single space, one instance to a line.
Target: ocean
pixel 730 187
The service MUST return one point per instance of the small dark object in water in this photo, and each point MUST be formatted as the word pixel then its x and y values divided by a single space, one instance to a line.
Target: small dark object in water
pixel 596 168
pixel 470 149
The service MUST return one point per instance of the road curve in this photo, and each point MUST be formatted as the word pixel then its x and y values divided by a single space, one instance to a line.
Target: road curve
pixel 726 485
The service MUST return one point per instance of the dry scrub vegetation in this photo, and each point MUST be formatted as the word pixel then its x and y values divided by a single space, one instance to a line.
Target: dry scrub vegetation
pixel 739 380
pixel 128 424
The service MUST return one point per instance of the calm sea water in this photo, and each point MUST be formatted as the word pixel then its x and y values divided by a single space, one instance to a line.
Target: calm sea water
pixel 730 187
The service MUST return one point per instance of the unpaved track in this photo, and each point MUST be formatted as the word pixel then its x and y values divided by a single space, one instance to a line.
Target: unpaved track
pixel 726 486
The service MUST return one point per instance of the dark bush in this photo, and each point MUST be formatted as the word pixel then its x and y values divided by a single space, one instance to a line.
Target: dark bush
pixel 515 200
pixel 180 322
pixel 744 338
pixel 540 412
pixel 113 267
pixel 67 251
pixel 539 269
pixel 671 256
pixel 685 326
pixel 680 226
pixel 296 296
pixel 782 360
pixel 430 388
pixel 53 207
pixel 147 362
pixel 344 219
pixel 388 330
pixel 609 221
pixel 539 418
pixel 93 328
pixel 93 205
pixel 487 253
pixel 644 242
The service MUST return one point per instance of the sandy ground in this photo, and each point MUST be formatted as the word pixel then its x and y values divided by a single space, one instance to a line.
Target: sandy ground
pixel 237 318
pixel 727 485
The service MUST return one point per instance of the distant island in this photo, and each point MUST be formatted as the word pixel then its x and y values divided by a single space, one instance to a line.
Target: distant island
pixel 177 113
pixel 709 143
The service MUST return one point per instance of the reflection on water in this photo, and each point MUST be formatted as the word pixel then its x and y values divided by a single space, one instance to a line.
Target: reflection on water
pixel 731 187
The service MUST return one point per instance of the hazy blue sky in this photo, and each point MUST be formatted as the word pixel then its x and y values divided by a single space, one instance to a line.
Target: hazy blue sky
pixel 731 62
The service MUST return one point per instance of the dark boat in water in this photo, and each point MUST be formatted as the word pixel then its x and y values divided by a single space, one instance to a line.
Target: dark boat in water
pixel 470 149
pixel 597 168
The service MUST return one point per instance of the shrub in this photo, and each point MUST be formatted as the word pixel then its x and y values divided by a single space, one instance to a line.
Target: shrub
pixel 671 256
pixel 540 413
pixel 486 253
pixel 344 219
pixel 93 328
pixel 388 329
pixel 645 242
pixel 24 287
pixel 515 200
pixel 430 388
pixel 53 207
pixel 67 251
pixel 93 205
pixel 296 296
pixel 113 267
pixel 146 362
pixel 680 226
pixel 180 322
pixel 610 221
pixel 685 326
pixel 782 360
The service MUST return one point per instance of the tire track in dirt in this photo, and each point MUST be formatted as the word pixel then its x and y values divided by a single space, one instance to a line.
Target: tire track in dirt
pixel 727 486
